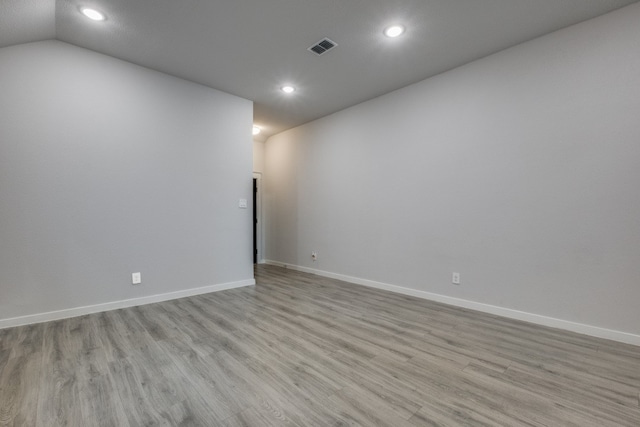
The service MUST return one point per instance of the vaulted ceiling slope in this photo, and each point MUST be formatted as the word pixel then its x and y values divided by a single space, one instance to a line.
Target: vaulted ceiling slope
pixel 250 48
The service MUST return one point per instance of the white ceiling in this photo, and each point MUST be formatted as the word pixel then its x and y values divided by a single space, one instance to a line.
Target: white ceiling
pixel 250 48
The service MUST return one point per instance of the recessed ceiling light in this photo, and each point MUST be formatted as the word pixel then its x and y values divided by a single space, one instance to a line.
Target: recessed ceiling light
pixel 288 89
pixel 394 31
pixel 256 130
pixel 93 14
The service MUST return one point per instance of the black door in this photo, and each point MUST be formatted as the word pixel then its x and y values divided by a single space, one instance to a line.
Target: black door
pixel 255 221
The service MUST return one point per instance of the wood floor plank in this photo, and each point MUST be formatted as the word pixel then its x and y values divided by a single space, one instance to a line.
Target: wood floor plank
pixel 191 412
pixel 559 381
pixel 568 405
pixel 4 357
pixel 28 339
pixel 19 387
pixel 206 392
pixel 100 403
pixel 59 396
pixel 139 405
pixel 365 409
pixel 290 375
pixel 448 388
pixel 8 337
pixel 245 388
pixel 255 417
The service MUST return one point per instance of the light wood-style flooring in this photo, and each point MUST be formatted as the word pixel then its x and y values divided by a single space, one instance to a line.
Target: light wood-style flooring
pixel 303 350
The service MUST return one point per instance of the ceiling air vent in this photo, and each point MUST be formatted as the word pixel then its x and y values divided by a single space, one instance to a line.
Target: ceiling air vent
pixel 322 46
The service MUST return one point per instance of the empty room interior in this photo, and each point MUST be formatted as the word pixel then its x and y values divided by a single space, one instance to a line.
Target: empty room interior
pixel 320 213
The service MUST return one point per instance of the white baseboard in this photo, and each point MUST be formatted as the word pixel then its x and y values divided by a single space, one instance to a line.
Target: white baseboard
pixel 89 309
pixel 580 328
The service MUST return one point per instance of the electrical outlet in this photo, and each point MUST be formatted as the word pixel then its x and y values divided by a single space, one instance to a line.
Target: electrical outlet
pixel 314 255
pixel 455 278
pixel 136 278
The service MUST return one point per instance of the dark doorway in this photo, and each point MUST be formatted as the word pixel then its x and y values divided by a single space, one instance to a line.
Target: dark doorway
pixel 255 221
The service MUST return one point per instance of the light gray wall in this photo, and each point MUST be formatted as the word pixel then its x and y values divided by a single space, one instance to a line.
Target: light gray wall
pixel 258 156
pixel 521 171
pixel 107 168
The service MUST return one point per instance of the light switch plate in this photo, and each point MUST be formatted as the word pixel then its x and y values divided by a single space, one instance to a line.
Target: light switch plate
pixel 242 203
